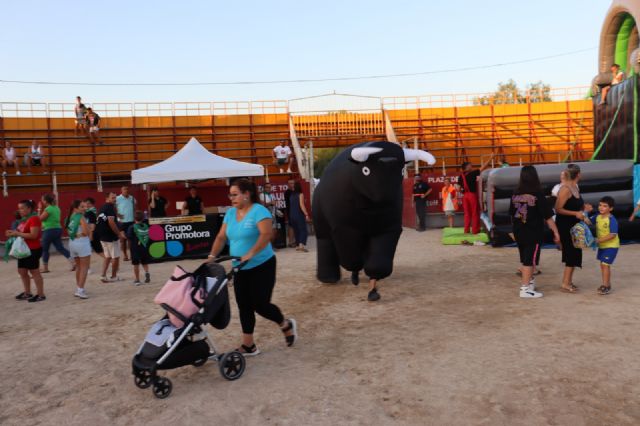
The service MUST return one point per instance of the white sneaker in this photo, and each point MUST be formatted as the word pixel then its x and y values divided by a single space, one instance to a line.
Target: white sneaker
pixel 289 171
pixel 4 173
pixel 532 283
pixel 89 271
pixel 137 283
pixel 104 279
pixel 81 293
pixel 18 173
pixel 115 279
pixel 529 292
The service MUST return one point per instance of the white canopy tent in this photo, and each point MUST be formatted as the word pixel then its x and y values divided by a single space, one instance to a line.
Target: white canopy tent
pixel 194 162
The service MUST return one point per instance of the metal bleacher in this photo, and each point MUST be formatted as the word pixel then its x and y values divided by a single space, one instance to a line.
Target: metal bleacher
pixel 454 128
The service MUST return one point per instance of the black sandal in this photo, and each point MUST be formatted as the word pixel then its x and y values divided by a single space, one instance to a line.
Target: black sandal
pixel 36 298
pixel 604 290
pixel 291 326
pixel 248 350
pixel 24 296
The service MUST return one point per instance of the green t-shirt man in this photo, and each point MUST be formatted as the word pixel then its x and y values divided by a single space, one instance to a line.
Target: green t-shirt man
pixel 53 219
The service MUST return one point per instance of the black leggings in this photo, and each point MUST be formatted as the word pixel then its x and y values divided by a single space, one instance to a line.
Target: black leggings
pixel 253 288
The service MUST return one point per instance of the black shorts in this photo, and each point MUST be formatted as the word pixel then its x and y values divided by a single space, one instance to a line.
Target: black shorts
pixel 96 245
pixel 32 262
pixel 124 226
pixel 36 161
pixel 529 254
pixel 139 255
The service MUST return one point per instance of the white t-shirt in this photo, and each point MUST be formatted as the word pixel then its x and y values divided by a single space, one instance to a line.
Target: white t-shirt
pixel 618 78
pixel 36 153
pixel 448 204
pixel 282 151
pixel 265 198
pixel 10 154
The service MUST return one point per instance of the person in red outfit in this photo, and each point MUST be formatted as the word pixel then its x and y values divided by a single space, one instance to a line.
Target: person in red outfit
pixel 470 203
pixel 29 228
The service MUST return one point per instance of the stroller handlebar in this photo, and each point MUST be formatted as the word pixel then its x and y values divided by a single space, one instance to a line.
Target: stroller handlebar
pixel 234 269
pixel 225 258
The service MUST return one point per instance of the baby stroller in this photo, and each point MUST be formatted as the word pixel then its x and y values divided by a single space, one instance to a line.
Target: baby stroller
pixel 191 300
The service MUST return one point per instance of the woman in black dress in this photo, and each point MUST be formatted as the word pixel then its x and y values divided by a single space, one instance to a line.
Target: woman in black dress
pixel 569 211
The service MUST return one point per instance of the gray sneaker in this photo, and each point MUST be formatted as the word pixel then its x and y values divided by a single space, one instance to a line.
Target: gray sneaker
pixel 137 283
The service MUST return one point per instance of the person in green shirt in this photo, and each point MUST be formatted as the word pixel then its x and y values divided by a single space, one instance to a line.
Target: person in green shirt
pixel 52 231
pixel 138 236
pixel 78 230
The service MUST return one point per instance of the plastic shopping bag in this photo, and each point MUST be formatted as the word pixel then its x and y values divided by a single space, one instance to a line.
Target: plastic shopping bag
pixel 20 249
pixel 7 248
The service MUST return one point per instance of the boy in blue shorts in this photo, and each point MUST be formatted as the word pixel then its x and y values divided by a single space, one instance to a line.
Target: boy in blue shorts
pixel 607 239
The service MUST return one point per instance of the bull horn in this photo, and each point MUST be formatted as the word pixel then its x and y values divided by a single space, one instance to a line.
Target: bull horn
pixel 417 154
pixel 361 155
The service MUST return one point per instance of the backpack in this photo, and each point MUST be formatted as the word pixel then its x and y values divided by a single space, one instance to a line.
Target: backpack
pixel 581 236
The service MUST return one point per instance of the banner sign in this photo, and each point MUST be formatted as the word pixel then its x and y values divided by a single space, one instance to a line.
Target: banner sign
pixel 182 237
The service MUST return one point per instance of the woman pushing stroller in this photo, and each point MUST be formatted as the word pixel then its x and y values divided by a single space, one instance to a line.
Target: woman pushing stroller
pixel 247 228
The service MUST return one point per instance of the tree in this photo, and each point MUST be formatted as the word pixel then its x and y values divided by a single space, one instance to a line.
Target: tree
pixel 539 92
pixel 323 157
pixel 509 93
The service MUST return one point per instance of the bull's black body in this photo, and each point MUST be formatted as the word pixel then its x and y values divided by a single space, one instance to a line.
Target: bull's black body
pixel 358 217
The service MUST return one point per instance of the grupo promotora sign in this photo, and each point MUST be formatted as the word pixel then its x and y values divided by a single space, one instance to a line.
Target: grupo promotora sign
pixel 179 237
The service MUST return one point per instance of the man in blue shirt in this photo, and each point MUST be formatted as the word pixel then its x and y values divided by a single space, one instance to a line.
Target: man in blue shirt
pixel 126 207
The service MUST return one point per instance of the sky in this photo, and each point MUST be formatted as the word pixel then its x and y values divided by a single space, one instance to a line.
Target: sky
pixel 214 41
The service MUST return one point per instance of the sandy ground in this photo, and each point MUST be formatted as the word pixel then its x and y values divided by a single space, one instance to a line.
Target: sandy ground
pixel 450 343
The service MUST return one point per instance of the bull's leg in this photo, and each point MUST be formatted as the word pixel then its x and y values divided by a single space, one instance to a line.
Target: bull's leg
pixel 328 269
pixel 378 262
pixel 350 245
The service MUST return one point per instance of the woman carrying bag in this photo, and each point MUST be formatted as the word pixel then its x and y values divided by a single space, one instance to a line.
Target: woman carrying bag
pixel 30 228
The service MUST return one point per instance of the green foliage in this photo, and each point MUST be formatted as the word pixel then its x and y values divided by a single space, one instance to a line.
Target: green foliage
pixel 509 93
pixel 322 157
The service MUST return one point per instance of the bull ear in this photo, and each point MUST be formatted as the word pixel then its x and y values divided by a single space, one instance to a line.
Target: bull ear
pixel 360 155
pixel 417 154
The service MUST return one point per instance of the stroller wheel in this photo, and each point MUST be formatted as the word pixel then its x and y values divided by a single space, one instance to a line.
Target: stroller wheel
pixel 199 362
pixel 232 365
pixel 162 387
pixel 142 379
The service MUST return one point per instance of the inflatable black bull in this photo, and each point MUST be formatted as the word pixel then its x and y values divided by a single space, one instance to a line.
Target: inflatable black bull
pixel 357 209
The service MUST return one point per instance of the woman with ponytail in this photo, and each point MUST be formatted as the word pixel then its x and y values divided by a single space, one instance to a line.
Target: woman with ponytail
pixel 247 227
pixel 79 244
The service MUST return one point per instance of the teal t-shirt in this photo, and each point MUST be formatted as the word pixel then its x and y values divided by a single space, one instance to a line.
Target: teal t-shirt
pixel 126 207
pixel 244 234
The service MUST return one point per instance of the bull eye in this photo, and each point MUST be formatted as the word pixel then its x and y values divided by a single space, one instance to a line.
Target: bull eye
pixel 366 171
